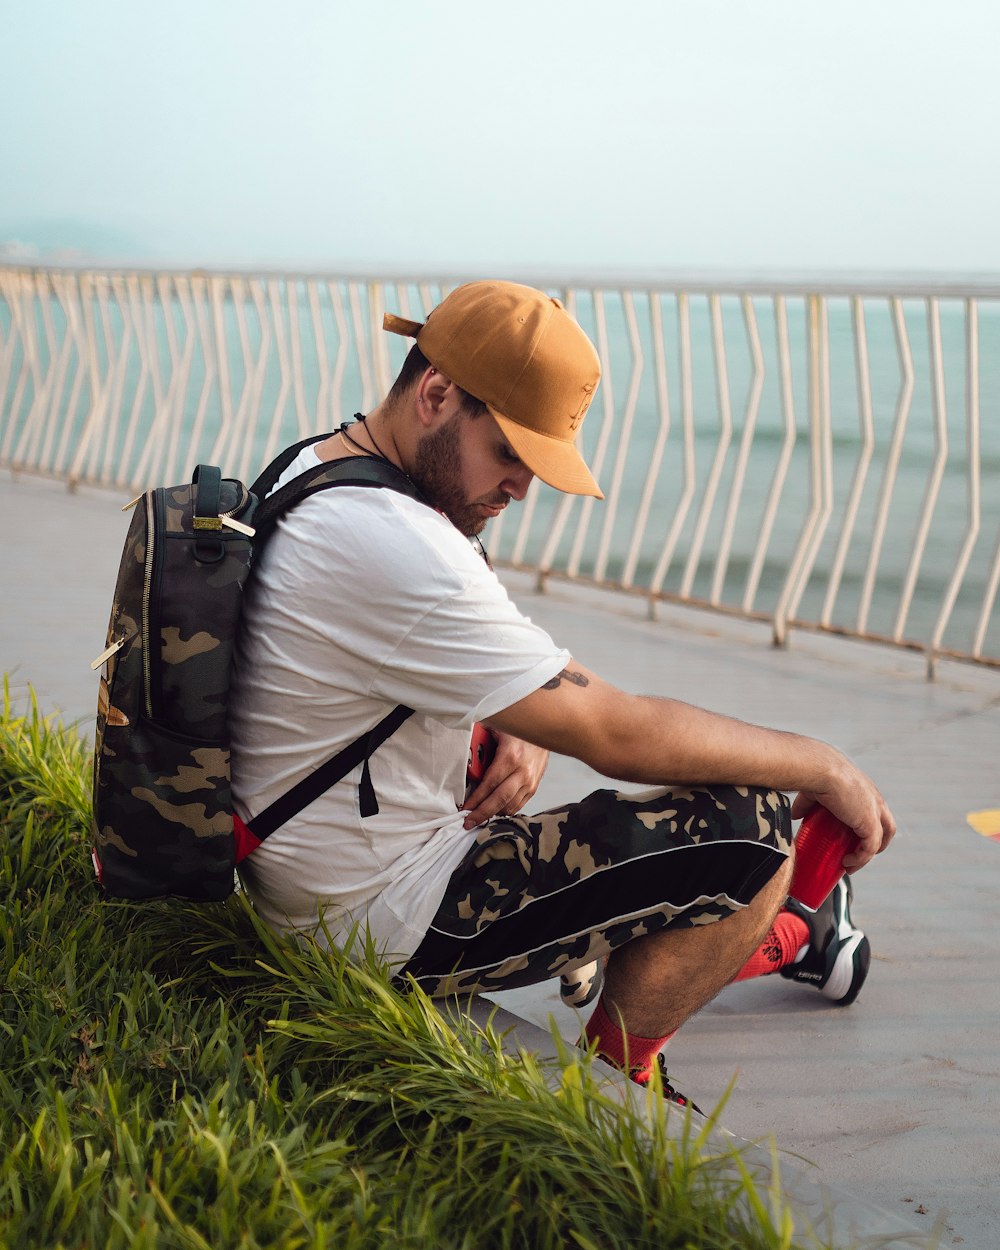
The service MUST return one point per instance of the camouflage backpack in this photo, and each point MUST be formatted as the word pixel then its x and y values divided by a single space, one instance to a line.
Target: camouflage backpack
pixel 163 816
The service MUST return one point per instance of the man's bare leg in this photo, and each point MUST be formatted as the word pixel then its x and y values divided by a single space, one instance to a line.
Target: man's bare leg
pixel 656 982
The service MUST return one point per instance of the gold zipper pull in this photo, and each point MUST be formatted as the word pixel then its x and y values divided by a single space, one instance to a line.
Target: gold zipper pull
pixel 238 526
pixel 108 652
pixel 127 507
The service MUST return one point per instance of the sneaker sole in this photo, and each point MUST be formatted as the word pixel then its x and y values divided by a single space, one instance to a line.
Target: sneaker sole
pixel 850 968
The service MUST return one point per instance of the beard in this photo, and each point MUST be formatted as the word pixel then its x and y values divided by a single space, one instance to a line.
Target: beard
pixel 437 472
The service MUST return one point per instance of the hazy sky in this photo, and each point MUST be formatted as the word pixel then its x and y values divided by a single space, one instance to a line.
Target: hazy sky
pixel 451 135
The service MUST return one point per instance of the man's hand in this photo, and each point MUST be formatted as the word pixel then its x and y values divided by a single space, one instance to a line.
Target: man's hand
pixel 857 802
pixel 509 782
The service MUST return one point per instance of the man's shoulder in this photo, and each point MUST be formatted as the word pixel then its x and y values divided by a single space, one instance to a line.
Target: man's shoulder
pixel 381 534
pixel 367 508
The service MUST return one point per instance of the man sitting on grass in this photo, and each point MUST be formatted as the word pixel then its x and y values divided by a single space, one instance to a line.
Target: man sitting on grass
pixel 365 599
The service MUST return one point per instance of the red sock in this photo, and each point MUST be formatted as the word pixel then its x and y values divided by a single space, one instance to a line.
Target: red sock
pixel 784 940
pixel 612 1041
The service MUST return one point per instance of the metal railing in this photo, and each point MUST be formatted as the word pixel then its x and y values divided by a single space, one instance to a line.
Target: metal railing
pixel 820 455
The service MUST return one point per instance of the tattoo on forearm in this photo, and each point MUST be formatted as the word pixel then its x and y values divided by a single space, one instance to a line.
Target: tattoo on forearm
pixel 577 679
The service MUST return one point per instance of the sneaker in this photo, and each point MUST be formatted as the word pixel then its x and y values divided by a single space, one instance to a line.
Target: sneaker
pixel 837 958
pixel 641 1077
pixel 581 987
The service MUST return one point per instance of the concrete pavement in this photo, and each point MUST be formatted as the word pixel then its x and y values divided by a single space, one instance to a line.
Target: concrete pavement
pixel 893 1103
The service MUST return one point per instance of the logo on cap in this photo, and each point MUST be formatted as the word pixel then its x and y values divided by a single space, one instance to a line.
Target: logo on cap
pixel 576 420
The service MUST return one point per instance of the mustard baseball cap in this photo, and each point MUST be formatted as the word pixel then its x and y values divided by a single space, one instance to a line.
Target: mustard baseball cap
pixel 519 352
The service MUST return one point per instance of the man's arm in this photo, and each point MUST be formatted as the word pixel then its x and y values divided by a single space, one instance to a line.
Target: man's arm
pixel 665 742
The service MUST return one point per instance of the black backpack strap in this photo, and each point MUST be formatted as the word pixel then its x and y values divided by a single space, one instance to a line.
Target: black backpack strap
pixel 309 788
pixel 348 471
pixel 265 482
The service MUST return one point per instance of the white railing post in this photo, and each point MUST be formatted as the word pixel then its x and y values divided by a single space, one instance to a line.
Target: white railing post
pixel 940 415
pixel 820 471
pixel 743 456
pixel 690 468
pixel 660 442
pixel 891 469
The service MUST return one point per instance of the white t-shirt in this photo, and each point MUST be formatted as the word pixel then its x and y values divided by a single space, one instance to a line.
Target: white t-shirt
pixel 364 599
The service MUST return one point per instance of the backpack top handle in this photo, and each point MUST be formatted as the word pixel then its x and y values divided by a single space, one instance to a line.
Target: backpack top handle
pixel 207 481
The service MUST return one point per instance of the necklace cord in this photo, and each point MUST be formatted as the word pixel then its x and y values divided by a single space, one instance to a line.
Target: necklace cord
pixel 372 437
pixel 359 417
pixel 353 441
pixel 361 420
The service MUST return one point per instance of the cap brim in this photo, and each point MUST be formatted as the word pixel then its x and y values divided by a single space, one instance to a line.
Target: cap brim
pixel 401 325
pixel 554 460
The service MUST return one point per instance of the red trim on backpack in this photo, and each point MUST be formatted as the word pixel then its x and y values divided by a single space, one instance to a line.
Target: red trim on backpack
pixel 243 839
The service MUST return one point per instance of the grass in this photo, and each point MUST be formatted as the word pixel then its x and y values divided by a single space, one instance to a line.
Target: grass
pixel 174 1075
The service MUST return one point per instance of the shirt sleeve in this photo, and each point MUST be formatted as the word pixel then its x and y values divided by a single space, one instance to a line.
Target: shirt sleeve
pixel 467 650
pixel 471 655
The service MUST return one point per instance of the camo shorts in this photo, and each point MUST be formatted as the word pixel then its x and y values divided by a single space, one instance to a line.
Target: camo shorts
pixel 538 896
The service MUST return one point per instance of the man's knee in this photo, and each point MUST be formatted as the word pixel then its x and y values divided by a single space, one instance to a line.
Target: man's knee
pixel 770 815
pixel 739 813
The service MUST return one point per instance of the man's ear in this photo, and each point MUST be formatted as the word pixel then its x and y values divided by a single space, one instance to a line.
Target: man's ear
pixel 436 397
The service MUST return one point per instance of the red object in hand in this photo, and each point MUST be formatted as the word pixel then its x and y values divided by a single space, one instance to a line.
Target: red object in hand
pixel 820 847
pixel 481 751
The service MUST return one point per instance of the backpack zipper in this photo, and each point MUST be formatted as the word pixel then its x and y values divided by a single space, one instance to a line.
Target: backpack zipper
pixel 119 640
pixel 111 649
pixel 240 507
pixel 228 518
pixel 231 523
pixel 147 583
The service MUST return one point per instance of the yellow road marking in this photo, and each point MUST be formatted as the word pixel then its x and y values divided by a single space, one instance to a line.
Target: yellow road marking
pixel 987 823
